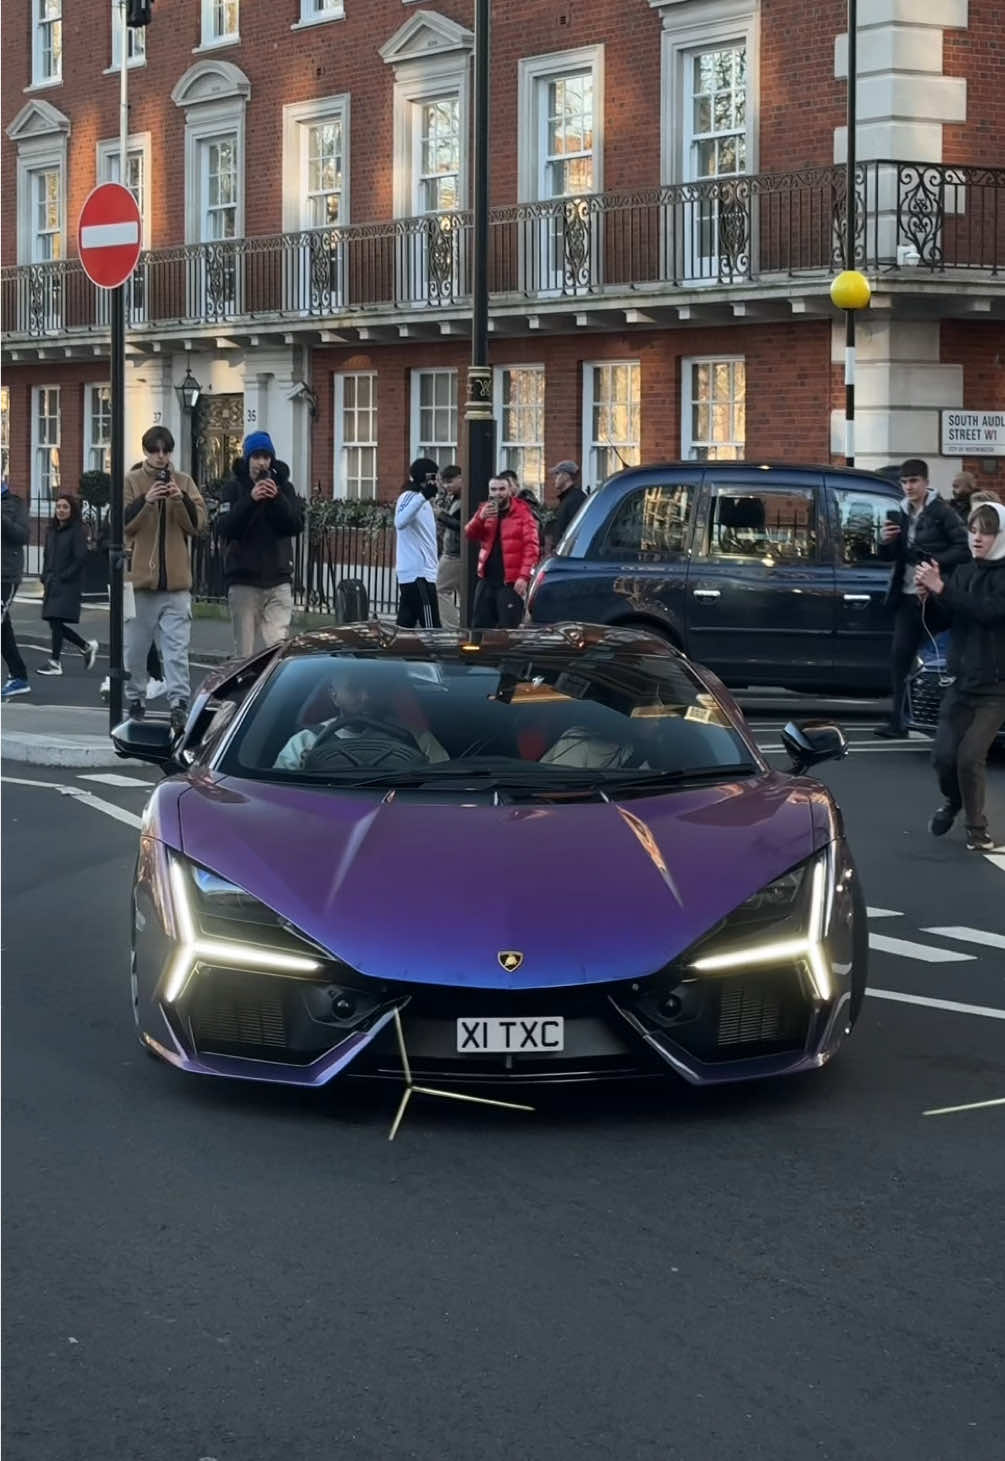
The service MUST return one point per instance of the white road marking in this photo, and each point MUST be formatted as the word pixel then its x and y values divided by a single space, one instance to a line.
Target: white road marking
pixel 119 814
pixel 997 858
pixel 970 936
pixel 987 1011
pixel 112 778
pixel 883 913
pixel 909 950
pixel 972 1106
pixel 864 747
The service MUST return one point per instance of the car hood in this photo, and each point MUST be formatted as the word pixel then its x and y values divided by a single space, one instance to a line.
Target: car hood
pixel 415 890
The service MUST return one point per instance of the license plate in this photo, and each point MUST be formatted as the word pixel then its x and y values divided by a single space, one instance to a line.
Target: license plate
pixel 543 1036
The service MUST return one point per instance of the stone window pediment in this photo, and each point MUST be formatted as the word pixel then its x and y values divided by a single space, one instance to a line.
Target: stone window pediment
pixel 211 80
pixel 423 35
pixel 38 119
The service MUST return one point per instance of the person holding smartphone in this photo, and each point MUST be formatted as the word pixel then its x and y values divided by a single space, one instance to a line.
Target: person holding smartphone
pixel 164 511
pixel 262 515
pixel 973 708
pixel 509 546
pixel 416 559
pixel 924 527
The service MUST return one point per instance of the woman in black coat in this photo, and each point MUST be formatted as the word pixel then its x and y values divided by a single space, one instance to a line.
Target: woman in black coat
pixel 63 578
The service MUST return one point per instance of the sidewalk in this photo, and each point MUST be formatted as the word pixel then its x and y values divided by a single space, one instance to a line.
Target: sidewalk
pixel 56 735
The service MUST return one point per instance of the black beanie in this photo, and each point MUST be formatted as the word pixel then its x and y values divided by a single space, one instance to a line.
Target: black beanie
pixel 422 468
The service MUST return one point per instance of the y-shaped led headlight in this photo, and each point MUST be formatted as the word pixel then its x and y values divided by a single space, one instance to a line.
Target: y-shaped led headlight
pixel 808 946
pixel 192 947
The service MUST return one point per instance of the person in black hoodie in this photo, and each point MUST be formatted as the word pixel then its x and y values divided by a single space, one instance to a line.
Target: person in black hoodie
pixel 262 515
pixel 973 708
pixel 63 578
pixel 925 527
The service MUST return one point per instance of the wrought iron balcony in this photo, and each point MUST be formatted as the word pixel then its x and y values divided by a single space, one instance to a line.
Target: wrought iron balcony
pixel 912 218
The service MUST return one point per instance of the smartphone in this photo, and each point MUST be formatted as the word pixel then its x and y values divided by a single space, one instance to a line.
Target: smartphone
pixel 893 517
pixel 164 474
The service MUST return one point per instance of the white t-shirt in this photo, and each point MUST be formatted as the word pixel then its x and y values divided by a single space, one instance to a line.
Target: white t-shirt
pixel 415 525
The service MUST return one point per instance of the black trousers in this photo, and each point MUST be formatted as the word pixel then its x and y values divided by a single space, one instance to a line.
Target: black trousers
pixel 60 631
pixel 418 606
pixel 908 632
pixel 967 726
pixel 496 606
pixel 16 667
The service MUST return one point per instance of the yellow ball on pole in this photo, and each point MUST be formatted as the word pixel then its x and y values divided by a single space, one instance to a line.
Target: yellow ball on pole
pixel 850 290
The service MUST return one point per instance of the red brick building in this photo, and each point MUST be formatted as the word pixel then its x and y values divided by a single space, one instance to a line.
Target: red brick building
pixel 667 214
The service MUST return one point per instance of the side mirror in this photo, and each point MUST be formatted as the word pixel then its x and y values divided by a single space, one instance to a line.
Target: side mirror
pixel 146 740
pixel 812 741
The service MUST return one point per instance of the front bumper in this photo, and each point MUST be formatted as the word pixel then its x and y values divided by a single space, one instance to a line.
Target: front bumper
pixel 255 1026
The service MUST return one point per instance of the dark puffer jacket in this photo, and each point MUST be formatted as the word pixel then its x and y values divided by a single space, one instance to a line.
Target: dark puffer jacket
pixel 974 602
pixel 258 535
pixel 16 532
pixel 63 572
pixel 939 534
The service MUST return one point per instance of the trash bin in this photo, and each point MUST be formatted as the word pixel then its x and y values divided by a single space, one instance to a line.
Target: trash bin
pixel 352 603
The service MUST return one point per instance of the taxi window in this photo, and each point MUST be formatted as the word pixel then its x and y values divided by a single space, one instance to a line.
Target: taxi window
pixel 751 522
pixel 861 516
pixel 651 523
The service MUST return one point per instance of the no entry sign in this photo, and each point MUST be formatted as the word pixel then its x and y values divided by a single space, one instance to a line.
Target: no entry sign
pixel 108 235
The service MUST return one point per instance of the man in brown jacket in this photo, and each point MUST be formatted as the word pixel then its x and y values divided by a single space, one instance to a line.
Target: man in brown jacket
pixel 163 513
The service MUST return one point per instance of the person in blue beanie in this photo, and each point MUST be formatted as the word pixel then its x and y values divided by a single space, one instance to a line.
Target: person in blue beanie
pixel 262 515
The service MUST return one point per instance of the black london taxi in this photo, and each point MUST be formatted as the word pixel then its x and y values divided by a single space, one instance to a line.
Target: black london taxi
pixel 769 575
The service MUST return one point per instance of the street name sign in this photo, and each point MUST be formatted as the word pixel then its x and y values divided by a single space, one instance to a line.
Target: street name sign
pixel 973 433
pixel 108 235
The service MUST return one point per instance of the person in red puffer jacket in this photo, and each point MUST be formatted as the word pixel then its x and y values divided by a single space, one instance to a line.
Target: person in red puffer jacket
pixel 509 545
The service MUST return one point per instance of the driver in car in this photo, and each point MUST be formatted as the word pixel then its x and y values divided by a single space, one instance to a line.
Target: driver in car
pixel 355 699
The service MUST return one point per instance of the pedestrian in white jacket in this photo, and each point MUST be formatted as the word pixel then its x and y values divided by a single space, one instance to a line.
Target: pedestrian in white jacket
pixel 416 556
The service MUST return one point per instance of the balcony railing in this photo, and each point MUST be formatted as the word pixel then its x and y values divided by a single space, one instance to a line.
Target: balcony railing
pixel 758 228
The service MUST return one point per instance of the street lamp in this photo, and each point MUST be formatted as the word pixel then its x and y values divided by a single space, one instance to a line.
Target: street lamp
pixel 850 290
pixel 478 415
pixel 189 390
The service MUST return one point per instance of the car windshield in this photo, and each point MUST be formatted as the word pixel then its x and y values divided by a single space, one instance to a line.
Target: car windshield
pixel 515 718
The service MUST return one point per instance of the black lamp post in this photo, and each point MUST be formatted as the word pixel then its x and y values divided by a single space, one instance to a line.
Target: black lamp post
pixel 480 422
pixel 850 290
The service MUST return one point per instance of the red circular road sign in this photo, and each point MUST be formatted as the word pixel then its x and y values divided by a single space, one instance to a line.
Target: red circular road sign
pixel 108 235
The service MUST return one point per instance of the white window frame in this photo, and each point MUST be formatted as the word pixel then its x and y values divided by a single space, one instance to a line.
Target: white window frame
pixel 39 155
pixel 318 12
pixel 420 448
pixel 590 474
pixel 214 96
pixel 38 507
pixel 688 442
pixel 136 42
pixel 90 417
pixel 440 77
pixel 710 25
pixel 498 411
pixel 298 117
pixel 210 40
pixel 55 78
pixel 534 73
pixel 340 476
pixel 107 154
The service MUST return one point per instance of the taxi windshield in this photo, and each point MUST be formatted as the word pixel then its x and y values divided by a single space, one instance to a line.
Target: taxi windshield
pixel 512 718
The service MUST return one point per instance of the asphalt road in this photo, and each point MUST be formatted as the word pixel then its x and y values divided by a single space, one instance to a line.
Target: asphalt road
pixel 810 1268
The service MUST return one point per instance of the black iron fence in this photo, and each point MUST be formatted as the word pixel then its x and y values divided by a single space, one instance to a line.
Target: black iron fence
pixel 910 216
pixel 333 566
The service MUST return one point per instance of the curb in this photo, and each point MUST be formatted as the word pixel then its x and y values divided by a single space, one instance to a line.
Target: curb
pixel 67 750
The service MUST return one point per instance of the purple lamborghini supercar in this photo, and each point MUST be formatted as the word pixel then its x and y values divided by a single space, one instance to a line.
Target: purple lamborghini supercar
pixel 557 853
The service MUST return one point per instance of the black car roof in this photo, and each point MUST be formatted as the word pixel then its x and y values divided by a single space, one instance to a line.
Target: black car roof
pixel 377 637
pixel 855 474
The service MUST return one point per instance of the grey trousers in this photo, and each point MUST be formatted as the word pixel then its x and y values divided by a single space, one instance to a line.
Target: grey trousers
pixel 448 591
pixel 166 617
pixel 260 616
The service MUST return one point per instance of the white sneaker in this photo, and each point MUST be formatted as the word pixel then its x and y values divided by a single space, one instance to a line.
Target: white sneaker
pixel 52 668
pixel 91 654
pixel 155 689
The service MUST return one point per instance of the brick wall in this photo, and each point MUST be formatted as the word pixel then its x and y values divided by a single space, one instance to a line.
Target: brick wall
pixel 980 349
pixel 801 101
pixel 788 390
pixel 978 53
